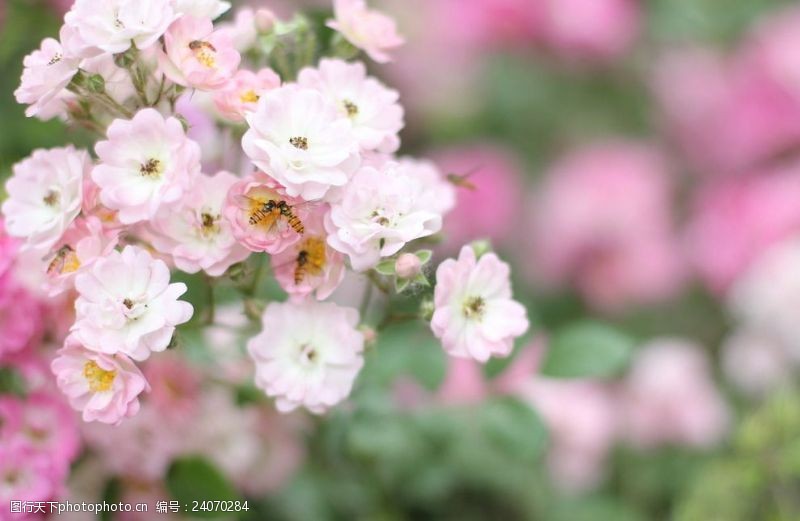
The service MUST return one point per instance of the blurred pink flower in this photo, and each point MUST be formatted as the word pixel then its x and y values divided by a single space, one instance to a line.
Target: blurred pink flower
pixel 590 29
pixel 755 362
pixel 47 424
pixel 369 30
pixel 603 223
pixel 669 397
pixel 489 205
pixel 174 386
pixel 27 475
pixel 242 92
pixel 21 318
pixel 494 23
pixel 734 219
pixel 463 384
pixel 8 249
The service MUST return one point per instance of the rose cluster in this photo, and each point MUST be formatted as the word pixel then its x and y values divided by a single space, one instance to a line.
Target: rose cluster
pixel 316 184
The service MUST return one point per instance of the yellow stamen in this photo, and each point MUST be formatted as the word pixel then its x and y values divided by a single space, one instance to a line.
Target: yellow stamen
pixel 249 96
pixel 99 379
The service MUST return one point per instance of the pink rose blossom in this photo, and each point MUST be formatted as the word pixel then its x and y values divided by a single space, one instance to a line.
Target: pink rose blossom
pixel 146 162
pixel 175 386
pixel 382 209
pixel 104 388
pixel 479 24
pixel 373 109
pixel 590 29
pixel 241 94
pixel 255 228
pixel 369 30
pixel 47 73
pixel 774 45
pixel 27 475
pixel 82 244
pixel 490 200
pixel 196 235
pixel 670 398
pixel 196 56
pixel 602 221
pixel 302 141
pixel 735 219
pixel 310 265
pixel 21 318
pixel 44 195
pixel 126 305
pixel 475 316
pixel 308 354
pixel 464 383
pixel 8 249
pixel 115 25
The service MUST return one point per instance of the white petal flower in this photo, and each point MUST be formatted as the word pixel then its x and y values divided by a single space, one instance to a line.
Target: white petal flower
pixel 308 354
pixel 113 25
pixel 374 109
pixel 146 162
pixel 127 305
pixel 44 195
pixel 47 72
pixel 212 9
pixel 301 140
pixel 380 211
pixel 475 316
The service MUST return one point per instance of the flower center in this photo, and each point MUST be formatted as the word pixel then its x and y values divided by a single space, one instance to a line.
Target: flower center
pixel 249 96
pixel 208 224
pixel 99 379
pixel 308 354
pixel 128 303
pixel 65 261
pixel 351 108
pixel 204 52
pixel 299 142
pixel 51 198
pixel 474 308
pixel 151 168
pixel 55 59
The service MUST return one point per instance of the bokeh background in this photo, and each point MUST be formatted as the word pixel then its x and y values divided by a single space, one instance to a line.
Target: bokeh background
pixel 638 163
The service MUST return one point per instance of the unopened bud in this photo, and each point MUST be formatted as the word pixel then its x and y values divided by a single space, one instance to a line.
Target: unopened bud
pixel 370 336
pixel 96 83
pixel 265 20
pixel 481 247
pixel 408 266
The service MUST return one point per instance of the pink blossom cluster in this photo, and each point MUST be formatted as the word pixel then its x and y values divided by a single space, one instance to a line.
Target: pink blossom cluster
pixel 316 184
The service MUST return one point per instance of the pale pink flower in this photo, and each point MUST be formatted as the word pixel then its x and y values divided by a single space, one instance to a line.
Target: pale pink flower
pixel 212 9
pixel 371 31
pixel 773 47
pixel 756 362
pixel 590 29
pixel 8 249
pixel 126 305
pixel 196 235
pixel 381 210
pixel 766 297
pixel 196 56
pixel 44 195
pixel 47 73
pixel 474 26
pixel 373 109
pixel 475 316
pixel 146 162
pixel 256 229
pixel 241 94
pixel 734 219
pixel 21 317
pixel 603 222
pixel 27 475
pixel 301 140
pixel 242 29
pixel 82 244
pixel 310 265
pixel 490 200
pixel 669 397
pixel 175 386
pixel 464 383
pixel 103 387
pixel 115 25
pixel 308 354
pixel 439 194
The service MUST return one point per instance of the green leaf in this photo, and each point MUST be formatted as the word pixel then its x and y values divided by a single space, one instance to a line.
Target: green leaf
pixel 386 267
pixel 195 479
pixel 424 256
pixel 401 284
pixel 587 349
pixel 514 427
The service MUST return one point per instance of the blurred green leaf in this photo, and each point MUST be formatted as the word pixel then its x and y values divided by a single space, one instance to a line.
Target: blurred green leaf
pixel 587 349
pixel 514 427
pixel 195 479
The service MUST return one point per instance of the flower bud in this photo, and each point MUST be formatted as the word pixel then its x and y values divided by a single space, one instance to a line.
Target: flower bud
pixel 408 266
pixel 370 335
pixel 96 84
pixel 481 247
pixel 265 20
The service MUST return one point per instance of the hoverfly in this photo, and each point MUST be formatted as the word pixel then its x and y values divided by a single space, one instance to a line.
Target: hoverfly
pixel 64 261
pixel 310 259
pixel 462 180
pixel 273 212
